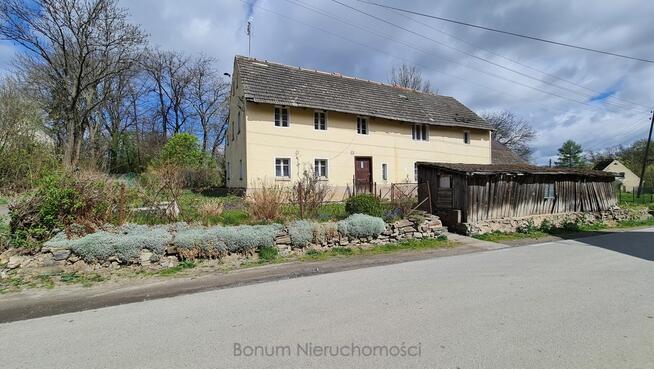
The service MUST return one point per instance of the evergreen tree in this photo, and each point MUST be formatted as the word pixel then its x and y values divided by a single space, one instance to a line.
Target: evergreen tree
pixel 570 155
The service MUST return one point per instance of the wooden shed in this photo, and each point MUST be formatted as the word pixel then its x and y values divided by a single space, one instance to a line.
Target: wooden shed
pixel 463 193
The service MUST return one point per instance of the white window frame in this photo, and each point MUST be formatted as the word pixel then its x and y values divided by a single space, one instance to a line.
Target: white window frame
pixel 363 129
pixel 316 168
pixel 288 165
pixel 281 120
pixel 466 137
pixel 420 132
pixel 415 171
pixel 316 125
pixel 384 171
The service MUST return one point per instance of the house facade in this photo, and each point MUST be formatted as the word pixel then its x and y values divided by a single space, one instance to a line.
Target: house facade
pixel 627 179
pixel 354 134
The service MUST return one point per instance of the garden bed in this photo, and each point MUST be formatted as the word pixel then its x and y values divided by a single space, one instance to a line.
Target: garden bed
pixel 169 249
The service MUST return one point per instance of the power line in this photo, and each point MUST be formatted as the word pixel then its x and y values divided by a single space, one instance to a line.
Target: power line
pixel 480 58
pixel 398 57
pixel 509 32
pixel 554 76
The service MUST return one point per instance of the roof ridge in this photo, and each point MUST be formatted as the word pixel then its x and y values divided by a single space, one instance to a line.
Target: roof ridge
pixel 338 74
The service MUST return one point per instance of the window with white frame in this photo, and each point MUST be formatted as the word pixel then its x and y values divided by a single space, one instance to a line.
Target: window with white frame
pixel 550 191
pixel 240 170
pixel 283 167
pixel 320 168
pixel 362 125
pixel 466 137
pixel 385 171
pixel 320 120
pixel 229 171
pixel 281 117
pixel 421 132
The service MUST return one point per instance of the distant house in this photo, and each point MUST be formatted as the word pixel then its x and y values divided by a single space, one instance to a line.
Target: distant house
pixel 500 154
pixel 354 134
pixel 627 179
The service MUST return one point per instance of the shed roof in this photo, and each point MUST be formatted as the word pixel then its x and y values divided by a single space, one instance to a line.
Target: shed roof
pixel 273 83
pixel 514 169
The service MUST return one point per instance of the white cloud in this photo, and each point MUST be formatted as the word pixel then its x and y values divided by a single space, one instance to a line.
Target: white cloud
pixel 217 28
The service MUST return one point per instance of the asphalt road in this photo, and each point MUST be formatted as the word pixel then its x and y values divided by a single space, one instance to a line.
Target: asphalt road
pixel 567 304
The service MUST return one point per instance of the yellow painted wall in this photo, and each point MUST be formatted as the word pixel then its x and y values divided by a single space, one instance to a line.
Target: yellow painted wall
pixel 235 147
pixel 630 179
pixel 388 142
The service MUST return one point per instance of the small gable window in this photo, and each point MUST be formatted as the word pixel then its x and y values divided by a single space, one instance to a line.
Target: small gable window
pixel 466 137
pixel 362 125
pixel 281 117
pixel 320 120
pixel 420 132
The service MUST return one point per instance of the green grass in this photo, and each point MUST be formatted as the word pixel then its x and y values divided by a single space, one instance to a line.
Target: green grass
pixel 268 253
pixel 3 201
pixel 504 236
pixel 84 279
pixel 631 199
pixel 183 265
pixel 327 212
pixel 234 212
pixel 414 244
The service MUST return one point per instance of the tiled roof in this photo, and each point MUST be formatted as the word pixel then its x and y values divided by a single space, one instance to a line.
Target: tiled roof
pixel 500 154
pixel 273 83
pixel 602 164
pixel 514 169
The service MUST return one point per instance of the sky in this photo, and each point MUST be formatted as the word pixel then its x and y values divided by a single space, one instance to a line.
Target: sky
pixel 597 100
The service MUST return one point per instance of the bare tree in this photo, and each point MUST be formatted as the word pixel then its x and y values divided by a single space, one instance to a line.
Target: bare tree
pixel 512 131
pixel 409 77
pixel 71 46
pixel 207 96
pixel 170 78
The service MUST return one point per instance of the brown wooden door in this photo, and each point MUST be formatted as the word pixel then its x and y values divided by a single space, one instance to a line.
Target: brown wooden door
pixel 363 174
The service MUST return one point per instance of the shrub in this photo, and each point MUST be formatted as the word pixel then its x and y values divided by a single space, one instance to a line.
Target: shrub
pixel 361 225
pixel 62 200
pixel 183 150
pixel 527 227
pixel 125 242
pixel 210 209
pixel 546 226
pixel 364 204
pixel 193 243
pixel 309 193
pixel 246 237
pixel 301 232
pixel 571 226
pixel 266 200
pixel 324 231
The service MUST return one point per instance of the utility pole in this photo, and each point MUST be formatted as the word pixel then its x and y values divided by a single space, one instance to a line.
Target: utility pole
pixel 249 32
pixel 642 172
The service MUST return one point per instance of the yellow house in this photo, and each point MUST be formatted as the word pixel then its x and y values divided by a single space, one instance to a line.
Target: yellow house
pixel 356 135
pixel 628 180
